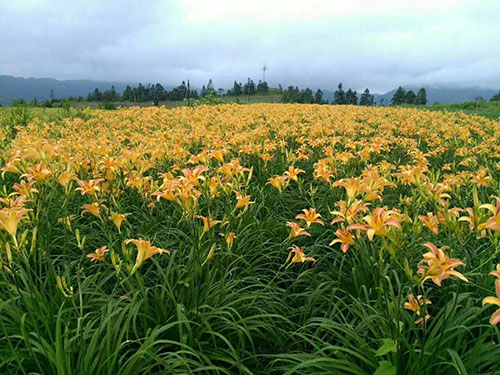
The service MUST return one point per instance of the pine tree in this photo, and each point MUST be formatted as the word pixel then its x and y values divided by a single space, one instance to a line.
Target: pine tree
pixel 339 96
pixel 351 97
pixel 249 88
pixel 128 94
pixel 399 96
pixel 318 97
pixel 97 95
pixel 421 97
pixel 237 89
pixel 306 96
pixel 210 86
pixel 410 97
pixel 262 87
pixel 366 98
pixel 291 95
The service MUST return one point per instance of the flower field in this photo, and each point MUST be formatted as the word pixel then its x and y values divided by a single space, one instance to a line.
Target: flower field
pixel 250 239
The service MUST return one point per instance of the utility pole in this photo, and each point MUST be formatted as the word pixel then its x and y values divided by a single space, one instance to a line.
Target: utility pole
pixel 264 68
pixel 187 92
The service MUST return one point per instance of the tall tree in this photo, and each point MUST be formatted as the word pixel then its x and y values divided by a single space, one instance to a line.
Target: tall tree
pixel 410 97
pixel 339 95
pixel 306 96
pixel 318 97
pixel 351 97
pixel 210 86
pixel 421 97
pixel 128 94
pixel 249 88
pixel 399 96
pixel 97 95
pixel 366 98
pixel 141 94
pixel 203 91
pixel 291 95
pixel 262 87
pixel 237 89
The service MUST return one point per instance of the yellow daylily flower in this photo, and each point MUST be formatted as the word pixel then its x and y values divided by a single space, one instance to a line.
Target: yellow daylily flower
pixel 144 252
pixel 495 317
pixel 118 219
pixel 10 218
pixel 98 255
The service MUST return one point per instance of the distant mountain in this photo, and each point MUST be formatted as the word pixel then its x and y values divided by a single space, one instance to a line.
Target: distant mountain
pixel 40 88
pixel 435 94
pixel 327 95
pixel 444 95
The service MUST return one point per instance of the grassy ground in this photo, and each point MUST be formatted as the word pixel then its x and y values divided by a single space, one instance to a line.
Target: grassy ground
pixel 218 304
pixel 487 109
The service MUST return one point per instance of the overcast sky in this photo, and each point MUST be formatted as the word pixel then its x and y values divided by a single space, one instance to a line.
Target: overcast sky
pixel 317 43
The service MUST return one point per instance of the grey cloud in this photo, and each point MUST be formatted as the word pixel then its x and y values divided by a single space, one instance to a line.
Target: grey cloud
pixel 159 41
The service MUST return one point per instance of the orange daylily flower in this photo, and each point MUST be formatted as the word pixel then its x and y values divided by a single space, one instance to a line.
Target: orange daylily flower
pixel 496 272
pixel 10 218
pixel 482 177
pixel 415 305
pixel 411 174
pixel 18 202
pixel 25 188
pixel 431 222
pixel 144 252
pixel 296 230
pixel 297 255
pixel 345 238
pixel 353 186
pixel 243 201
pixel 279 182
pixel 38 172
pixel 98 255
pixel 438 266
pixel 194 175
pixel 208 223
pixel 66 177
pixel 89 187
pixel 293 173
pixel 379 223
pixel 349 213
pixel 229 239
pixel 495 317
pixel 310 216
pixel 92 208
pixel 493 222
pixel 118 219
pixel 476 222
pixel 12 166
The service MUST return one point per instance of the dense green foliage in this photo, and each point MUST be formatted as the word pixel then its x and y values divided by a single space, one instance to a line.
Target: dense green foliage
pixel 490 110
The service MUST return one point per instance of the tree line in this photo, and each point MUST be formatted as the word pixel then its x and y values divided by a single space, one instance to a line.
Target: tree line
pixel 144 93
pixel 409 97
pixel 157 93
pixel 294 95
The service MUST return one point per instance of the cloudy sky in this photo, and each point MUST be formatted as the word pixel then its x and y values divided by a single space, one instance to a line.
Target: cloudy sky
pixel 316 43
